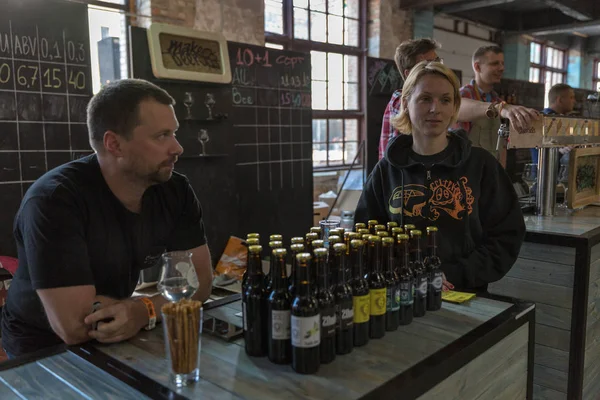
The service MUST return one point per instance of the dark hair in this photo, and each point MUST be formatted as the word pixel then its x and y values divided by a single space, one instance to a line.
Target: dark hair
pixel 483 50
pixel 115 107
pixel 556 91
pixel 408 51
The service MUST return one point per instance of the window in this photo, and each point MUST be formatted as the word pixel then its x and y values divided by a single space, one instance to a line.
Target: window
pixel 330 30
pixel 108 42
pixel 547 66
pixel 596 80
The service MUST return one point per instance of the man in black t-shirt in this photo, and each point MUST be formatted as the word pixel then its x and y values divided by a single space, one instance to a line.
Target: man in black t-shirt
pixel 85 229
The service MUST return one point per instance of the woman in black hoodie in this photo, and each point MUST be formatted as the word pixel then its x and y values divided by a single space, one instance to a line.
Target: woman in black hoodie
pixel 430 176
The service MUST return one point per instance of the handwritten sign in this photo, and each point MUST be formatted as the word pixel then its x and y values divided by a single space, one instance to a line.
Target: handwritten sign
pixel 183 53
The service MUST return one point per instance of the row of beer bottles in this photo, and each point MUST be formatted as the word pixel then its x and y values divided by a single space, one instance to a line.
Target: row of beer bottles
pixel 333 318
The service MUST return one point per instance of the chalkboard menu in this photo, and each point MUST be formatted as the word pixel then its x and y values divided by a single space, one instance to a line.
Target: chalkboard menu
pixel 256 174
pixel 272 132
pixel 45 85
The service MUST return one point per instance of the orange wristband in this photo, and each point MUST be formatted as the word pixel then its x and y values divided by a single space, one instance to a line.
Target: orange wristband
pixel 151 313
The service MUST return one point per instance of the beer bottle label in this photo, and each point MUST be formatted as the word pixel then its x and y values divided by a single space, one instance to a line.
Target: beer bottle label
pixel 421 287
pixel 361 305
pixel 280 327
pixel 306 331
pixel 438 280
pixel 245 316
pixel 395 297
pixel 406 293
pixel 344 314
pixel 378 301
pixel 328 322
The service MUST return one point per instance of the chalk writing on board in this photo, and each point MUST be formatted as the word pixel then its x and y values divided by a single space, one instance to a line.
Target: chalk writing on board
pixel 240 97
pixel 242 77
pixel 295 99
pixel 248 58
pixel 295 81
pixel 386 75
pixel 289 61
pixel 190 54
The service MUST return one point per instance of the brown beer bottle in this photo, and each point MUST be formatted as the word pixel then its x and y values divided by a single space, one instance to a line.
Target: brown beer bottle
pixel 326 307
pixel 377 290
pixel 406 279
pixel 254 306
pixel 342 292
pixel 305 322
pixel 432 265
pixel 279 305
pixel 419 273
pixel 361 300
pixel 392 303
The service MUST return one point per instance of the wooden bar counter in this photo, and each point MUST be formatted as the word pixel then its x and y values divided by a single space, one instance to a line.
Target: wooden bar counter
pixel 478 350
pixel 559 269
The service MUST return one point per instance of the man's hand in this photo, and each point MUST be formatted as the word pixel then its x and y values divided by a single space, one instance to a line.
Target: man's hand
pixel 446 286
pixel 124 319
pixel 520 117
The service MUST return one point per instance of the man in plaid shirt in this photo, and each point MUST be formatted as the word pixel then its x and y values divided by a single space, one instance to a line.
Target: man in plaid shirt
pixel 409 54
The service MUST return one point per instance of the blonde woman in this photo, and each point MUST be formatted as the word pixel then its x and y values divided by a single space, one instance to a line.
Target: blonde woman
pixel 430 176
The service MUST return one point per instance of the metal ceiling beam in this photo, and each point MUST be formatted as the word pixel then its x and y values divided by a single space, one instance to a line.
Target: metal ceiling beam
pixel 412 4
pixel 471 5
pixel 566 28
pixel 567 10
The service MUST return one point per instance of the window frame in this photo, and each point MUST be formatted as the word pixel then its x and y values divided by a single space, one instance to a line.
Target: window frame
pixel 288 42
pixel 543 66
pixel 596 75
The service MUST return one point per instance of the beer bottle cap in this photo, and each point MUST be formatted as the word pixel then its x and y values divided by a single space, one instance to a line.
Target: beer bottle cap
pixel 320 252
pixel 334 239
pixel 311 236
pixel 387 241
pixel 316 229
pixel 374 239
pixel 408 227
pixel 275 244
pixel 257 248
pixel 397 230
pixel 359 225
pixel 363 231
pixel 415 232
pixel 317 243
pixel 372 222
pixel 382 234
pixel 297 248
pixel 297 240
pixel 392 224
pixel 303 257
pixel 380 228
pixel 356 243
pixel 275 237
pixel 432 229
pixel 403 236
pixel 252 241
pixel 253 235
pixel 281 252
pixel 339 248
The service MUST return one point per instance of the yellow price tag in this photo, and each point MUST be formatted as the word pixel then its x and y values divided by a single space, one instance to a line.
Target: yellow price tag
pixel 457 297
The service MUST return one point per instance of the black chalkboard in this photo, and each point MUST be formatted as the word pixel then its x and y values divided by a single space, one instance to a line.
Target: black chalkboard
pixel 383 79
pixel 247 181
pixel 45 85
pixel 272 131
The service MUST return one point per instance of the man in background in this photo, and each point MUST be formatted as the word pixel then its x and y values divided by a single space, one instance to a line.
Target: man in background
pixel 561 99
pixel 410 53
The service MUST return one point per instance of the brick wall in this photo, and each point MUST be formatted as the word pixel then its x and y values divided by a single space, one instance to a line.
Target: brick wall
pixel 238 20
pixel 387 27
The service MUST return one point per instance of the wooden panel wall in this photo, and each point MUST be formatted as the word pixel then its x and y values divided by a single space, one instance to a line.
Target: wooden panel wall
pixel 591 374
pixel 544 274
pixel 500 373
